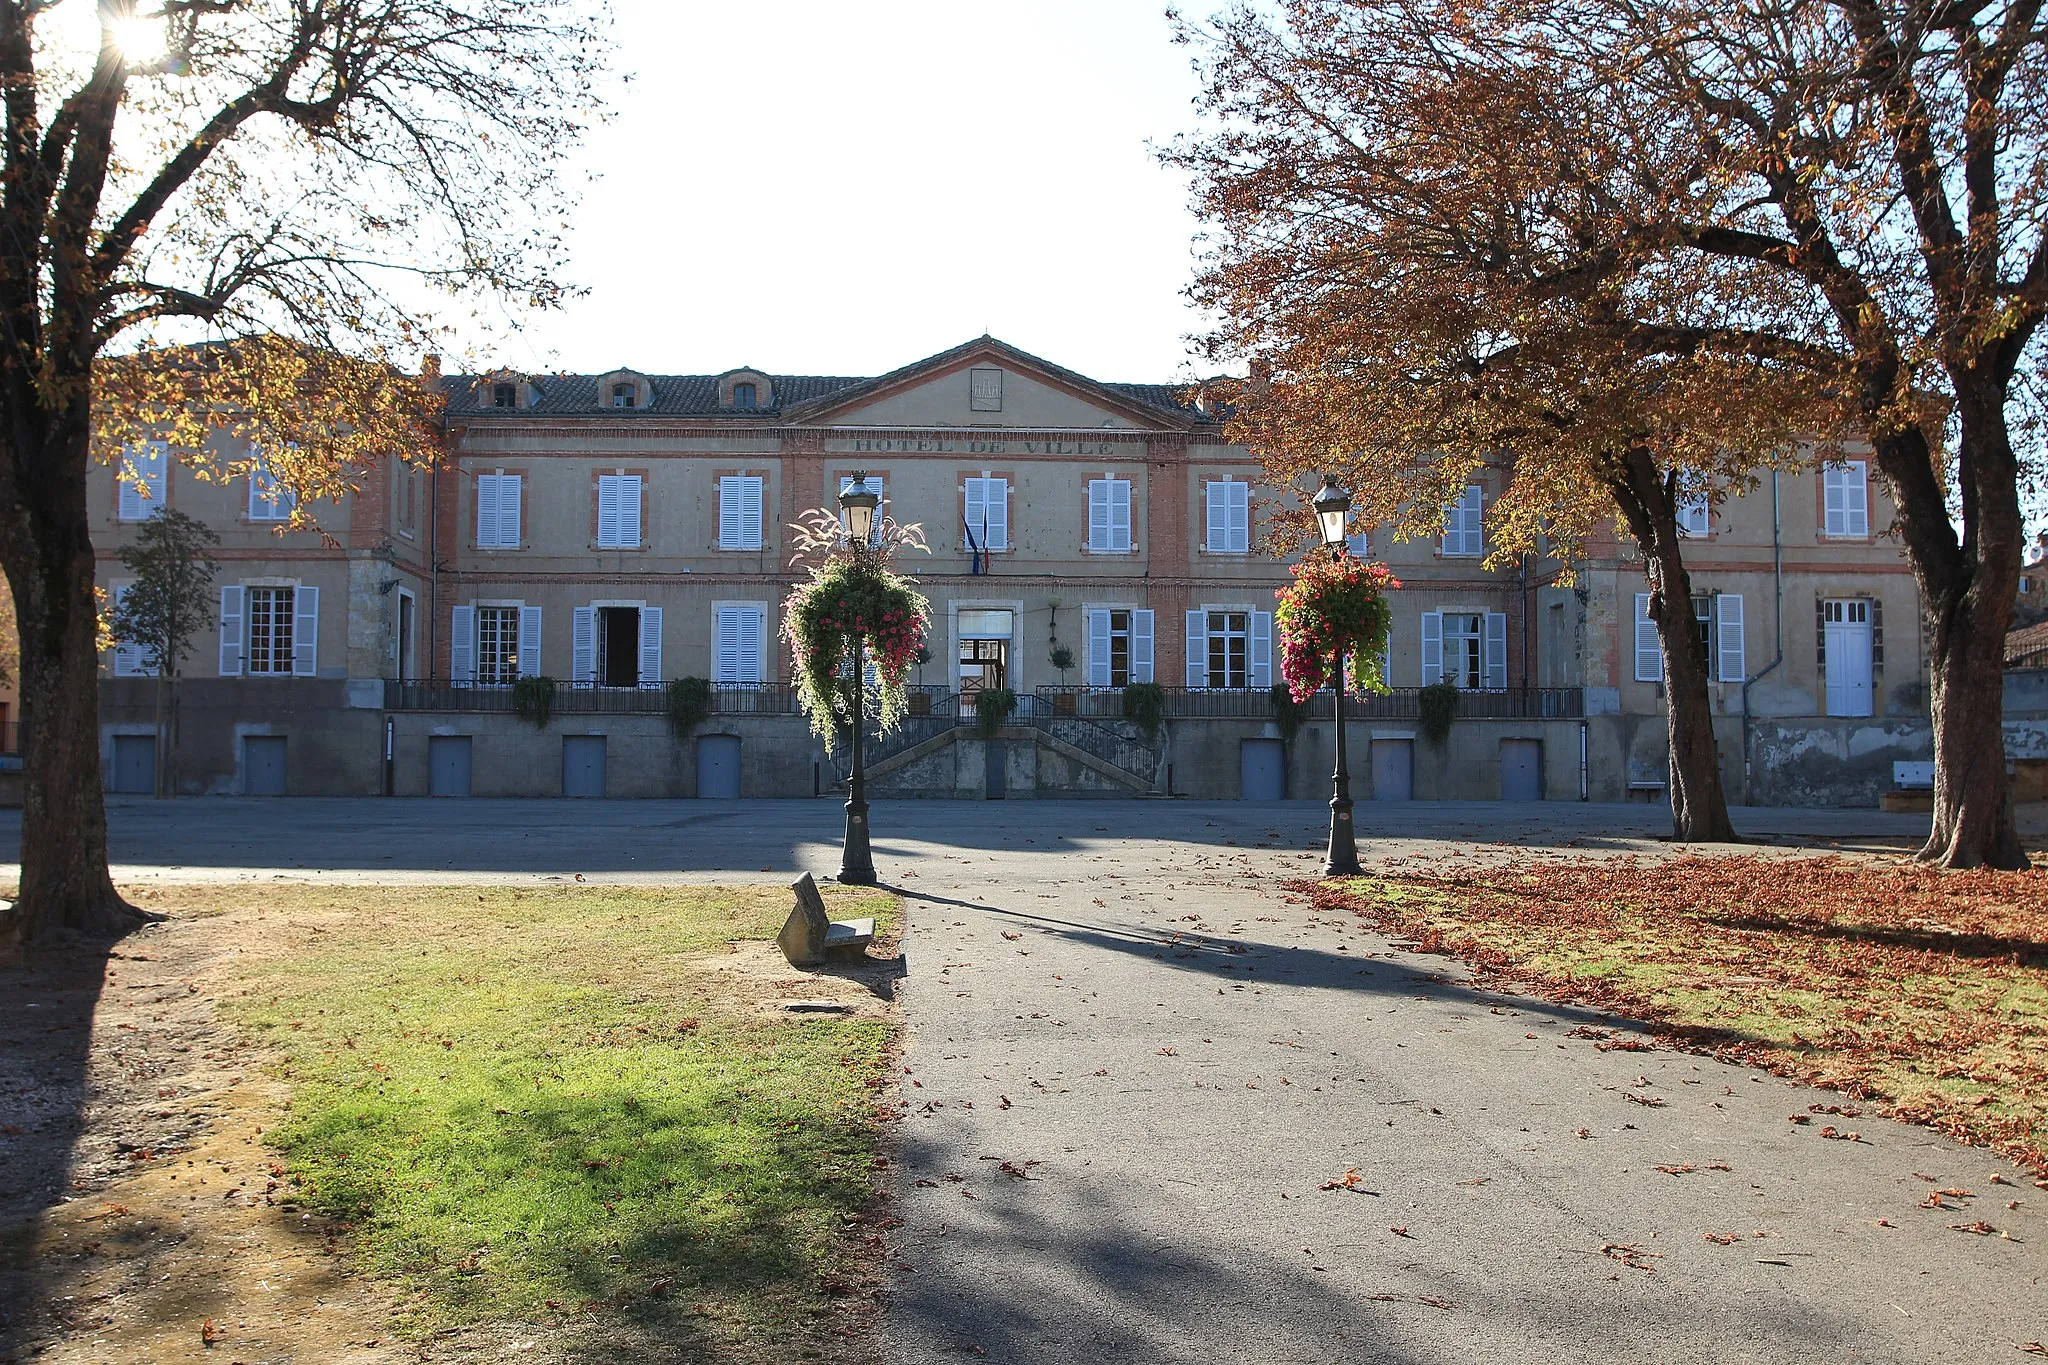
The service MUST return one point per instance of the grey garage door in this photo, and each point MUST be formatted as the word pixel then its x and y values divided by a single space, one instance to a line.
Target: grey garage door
pixel 718 767
pixel 1393 770
pixel 1261 770
pixel 134 765
pixel 583 765
pixel 448 765
pixel 1521 770
pixel 263 765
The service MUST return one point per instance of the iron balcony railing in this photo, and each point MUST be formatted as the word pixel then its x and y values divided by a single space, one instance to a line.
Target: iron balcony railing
pixel 1401 703
pixel 940 707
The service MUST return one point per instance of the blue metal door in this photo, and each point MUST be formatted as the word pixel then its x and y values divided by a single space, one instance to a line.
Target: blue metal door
pixel 718 767
pixel 1262 770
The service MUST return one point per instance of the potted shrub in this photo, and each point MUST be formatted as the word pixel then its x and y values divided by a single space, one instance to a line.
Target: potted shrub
pixel 992 707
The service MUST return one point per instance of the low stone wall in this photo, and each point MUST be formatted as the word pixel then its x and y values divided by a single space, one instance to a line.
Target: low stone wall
pixel 333 744
pixel 643 758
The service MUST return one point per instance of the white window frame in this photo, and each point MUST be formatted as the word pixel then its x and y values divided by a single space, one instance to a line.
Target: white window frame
pixel 1465 525
pixel 1097 649
pixel 1833 692
pixel 993 494
pixel 1258 646
pixel 490 499
pixel 1227 528
pixel 269 500
pixel 1493 647
pixel 625 492
pixel 1103 537
pixel 142 480
pixel 740 516
pixel 302 653
pixel 721 674
pixel 1843 516
pixel 497 677
pixel 1696 515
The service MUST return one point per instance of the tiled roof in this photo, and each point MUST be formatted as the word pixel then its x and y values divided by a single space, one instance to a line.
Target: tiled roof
pixel 696 395
pixel 675 395
pixel 2026 640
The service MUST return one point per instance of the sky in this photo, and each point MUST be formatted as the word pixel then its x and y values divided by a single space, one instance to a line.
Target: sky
pixel 842 188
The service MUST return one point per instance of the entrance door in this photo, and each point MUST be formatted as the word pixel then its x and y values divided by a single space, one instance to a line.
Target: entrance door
pixel 263 765
pixel 618 646
pixel 718 767
pixel 1521 770
pixel 1261 770
pixel 995 769
pixel 1845 647
pixel 583 765
pixel 1393 770
pixel 448 765
pixel 984 651
pixel 134 771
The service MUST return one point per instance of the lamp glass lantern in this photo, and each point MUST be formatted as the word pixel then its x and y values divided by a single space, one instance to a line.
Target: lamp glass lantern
pixel 1333 511
pixel 858 502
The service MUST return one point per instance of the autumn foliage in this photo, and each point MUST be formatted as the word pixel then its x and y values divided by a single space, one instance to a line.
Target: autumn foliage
pixel 1921 994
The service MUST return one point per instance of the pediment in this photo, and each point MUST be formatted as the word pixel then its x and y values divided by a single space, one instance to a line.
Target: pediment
pixel 988 384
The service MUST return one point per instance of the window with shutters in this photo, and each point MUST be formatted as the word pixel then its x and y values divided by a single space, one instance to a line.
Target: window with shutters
pixel 131 660
pixel 1465 524
pixel 1845 495
pixel 987 512
pixel 1119 646
pixel 1109 516
pixel 738 639
pixel 739 512
pixel 269 500
pixel 497 511
pixel 269 627
pixel 142 481
pixel 1717 622
pixel 1229 528
pixel 1695 514
pixel 497 646
pixel 1229 649
pixel 618 511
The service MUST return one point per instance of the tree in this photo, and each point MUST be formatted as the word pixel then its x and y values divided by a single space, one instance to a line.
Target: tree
pixel 168 601
pixel 1860 188
pixel 1399 253
pixel 300 179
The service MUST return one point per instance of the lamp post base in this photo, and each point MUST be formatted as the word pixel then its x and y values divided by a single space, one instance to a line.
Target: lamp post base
pixel 856 864
pixel 1342 859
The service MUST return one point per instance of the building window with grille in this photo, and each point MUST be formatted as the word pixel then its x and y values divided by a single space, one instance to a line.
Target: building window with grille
pixel 270 629
pixel 1229 649
pixel 497 646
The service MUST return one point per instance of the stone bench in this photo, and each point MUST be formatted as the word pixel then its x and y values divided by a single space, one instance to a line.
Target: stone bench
pixel 808 937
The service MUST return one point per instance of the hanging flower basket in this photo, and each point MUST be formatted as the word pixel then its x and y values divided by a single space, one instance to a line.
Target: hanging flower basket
pixel 1334 604
pixel 853 593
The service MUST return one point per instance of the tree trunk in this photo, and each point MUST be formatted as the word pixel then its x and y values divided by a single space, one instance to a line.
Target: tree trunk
pixel 1970 605
pixel 1699 804
pixel 46 543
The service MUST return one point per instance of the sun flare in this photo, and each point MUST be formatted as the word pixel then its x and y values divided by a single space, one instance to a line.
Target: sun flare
pixel 139 38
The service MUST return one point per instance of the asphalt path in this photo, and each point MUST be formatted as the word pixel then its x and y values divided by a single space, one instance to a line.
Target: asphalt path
pixel 1152 1109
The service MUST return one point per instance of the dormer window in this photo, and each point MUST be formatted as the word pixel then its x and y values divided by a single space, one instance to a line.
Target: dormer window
pixel 743 396
pixel 504 395
pixel 745 390
pixel 623 395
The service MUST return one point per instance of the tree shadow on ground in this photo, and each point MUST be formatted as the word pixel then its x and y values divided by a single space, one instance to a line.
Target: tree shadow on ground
pixel 1066 1267
pixel 46 1027
pixel 2023 952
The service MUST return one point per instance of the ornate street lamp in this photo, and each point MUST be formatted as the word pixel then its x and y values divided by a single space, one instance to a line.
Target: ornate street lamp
pixel 856 864
pixel 1333 509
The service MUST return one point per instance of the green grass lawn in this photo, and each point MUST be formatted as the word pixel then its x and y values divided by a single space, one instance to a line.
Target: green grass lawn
pixel 1923 993
pixel 534 1103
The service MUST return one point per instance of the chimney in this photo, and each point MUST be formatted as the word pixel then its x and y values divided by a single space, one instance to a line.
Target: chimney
pixel 430 366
